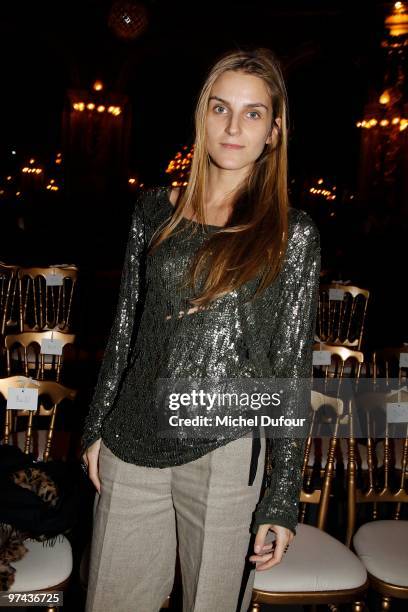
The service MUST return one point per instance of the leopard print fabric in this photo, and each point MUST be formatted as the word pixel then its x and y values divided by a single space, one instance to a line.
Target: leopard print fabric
pixel 36 480
pixel 12 546
pixel 12 549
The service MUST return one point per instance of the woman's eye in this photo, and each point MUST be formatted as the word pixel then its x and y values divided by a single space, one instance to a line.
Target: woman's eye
pixel 253 114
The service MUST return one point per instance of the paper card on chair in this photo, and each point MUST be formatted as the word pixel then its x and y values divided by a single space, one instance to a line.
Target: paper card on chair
pixel 51 346
pixel 397 412
pixel 321 358
pixel 336 295
pixel 54 280
pixel 403 360
pixel 22 398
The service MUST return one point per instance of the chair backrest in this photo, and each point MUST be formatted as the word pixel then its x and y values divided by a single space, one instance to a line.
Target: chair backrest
pixel 53 391
pixel 46 297
pixel 383 485
pixel 390 362
pixel 335 379
pixel 35 359
pixel 344 362
pixel 316 491
pixel 341 314
pixel 8 302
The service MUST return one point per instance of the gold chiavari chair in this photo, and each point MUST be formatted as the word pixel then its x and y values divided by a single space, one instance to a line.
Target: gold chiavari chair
pixel 34 439
pixel 382 542
pixel 341 314
pixel 43 568
pixel 8 289
pixel 46 298
pixel 317 568
pixel 387 367
pixel 345 363
pixel 390 362
pixel 24 356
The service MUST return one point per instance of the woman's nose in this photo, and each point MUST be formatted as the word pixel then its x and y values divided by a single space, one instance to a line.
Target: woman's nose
pixel 233 125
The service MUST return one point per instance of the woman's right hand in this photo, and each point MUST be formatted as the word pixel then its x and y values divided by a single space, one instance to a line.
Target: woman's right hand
pixel 90 458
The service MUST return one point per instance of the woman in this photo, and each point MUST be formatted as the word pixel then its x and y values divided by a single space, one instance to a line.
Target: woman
pixel 220 281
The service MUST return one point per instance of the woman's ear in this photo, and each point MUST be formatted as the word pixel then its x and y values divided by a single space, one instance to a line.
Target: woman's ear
pixel 274 133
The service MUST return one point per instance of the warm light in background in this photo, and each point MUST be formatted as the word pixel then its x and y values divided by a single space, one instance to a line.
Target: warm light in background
pixel 28 170
pixel 113 110
pixel 98 86
pixel 397 21
pixel 385 97
pixel 327 193
pixel 180 166
pixel 369 123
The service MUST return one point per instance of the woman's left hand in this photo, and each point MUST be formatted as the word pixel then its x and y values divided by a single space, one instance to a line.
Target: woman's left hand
pixel 268 555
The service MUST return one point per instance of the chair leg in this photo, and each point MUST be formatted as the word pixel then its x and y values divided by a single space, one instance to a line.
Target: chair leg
pixel 385 603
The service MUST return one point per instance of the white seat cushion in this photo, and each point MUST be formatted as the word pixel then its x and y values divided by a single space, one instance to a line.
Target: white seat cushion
pixel 383 548
pixel 315 561
pixel 43 566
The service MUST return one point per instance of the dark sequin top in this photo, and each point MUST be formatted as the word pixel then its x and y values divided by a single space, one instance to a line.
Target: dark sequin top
pixel 270 336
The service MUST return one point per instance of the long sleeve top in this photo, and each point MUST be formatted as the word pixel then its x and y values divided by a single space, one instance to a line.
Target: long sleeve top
pixel 152 337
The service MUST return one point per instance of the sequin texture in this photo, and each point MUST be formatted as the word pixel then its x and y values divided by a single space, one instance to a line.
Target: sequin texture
pixel 152 336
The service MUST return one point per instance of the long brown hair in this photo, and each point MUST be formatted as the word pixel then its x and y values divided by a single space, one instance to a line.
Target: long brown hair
pixel 254 240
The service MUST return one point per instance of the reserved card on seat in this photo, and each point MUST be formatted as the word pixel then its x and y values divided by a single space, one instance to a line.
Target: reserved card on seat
pixel 54 279
pixel 403 360
pixel 51 346
pixel 22 398
pixel 336 295
pixel 321 358
pixel 397 412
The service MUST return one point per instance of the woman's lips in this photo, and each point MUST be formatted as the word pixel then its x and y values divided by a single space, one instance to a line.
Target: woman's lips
pixel 232 146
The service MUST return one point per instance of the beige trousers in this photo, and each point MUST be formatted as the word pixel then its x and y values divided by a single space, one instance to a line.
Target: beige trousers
pixel 204 507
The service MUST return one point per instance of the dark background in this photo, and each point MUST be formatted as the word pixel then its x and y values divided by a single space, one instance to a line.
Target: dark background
pixel 331 51
pixel 333 63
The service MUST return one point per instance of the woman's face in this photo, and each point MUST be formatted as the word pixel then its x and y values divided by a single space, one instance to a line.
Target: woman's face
pixel 239 113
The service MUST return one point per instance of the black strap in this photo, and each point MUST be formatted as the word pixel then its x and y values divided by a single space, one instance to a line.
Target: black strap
pixel 256 449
